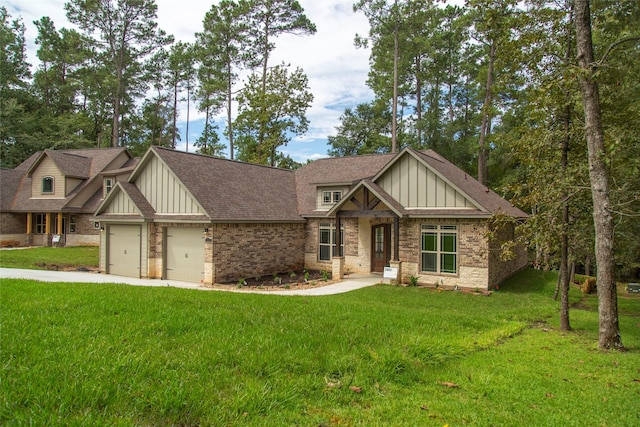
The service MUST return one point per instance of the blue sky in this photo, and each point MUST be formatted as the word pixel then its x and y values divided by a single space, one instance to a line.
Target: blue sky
pixel 337 71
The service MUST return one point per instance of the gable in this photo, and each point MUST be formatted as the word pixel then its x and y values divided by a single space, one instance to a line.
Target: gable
pixel 163 190
pixel 47 168
pixel 416 186
pixel 121 204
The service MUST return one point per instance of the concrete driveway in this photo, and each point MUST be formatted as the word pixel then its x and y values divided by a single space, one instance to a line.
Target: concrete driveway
pixel 347 285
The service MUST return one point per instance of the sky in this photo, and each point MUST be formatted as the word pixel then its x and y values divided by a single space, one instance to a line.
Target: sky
pixel 337 71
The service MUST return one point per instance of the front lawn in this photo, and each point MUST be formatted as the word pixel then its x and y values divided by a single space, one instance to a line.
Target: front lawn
pixel 43 258
pixel 88 354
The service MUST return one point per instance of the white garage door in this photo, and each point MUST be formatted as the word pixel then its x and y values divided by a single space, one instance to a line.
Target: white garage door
pixel 185 254
pixel 124 250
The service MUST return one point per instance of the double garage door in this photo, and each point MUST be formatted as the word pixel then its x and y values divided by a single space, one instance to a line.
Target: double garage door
pixel 184 252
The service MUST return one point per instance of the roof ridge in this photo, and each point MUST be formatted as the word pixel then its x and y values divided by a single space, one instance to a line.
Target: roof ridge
pixel 207 156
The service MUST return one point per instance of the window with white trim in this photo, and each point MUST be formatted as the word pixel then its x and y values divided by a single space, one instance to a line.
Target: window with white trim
pixel 330 197
pixel 72 224
pixel 47 184
pixel 327 241
pixel 439 249
pixel 108 185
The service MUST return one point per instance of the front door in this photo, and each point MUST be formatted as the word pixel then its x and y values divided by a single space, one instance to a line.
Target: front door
pixel 380 247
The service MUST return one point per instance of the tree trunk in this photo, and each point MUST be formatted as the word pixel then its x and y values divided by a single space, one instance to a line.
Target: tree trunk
pixel 394 112
pixel 609 332
pixel 229 103
pixel 564 238
pixel 482 148
pixel 175 114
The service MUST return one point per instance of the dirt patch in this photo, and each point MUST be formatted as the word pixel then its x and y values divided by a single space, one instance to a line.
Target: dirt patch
pixel 67 267
pixel 304 279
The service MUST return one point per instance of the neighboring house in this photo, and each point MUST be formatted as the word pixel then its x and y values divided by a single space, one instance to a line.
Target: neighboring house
pixel 51 197
pixel 201 219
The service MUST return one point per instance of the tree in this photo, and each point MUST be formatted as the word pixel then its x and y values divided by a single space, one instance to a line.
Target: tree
pixel 126 35
pixel 17 122
pixel 268 20
pixel 180 74
pixel 384 34
pixel 269 116
pixel 493 20
pixel 223 48
pixel 364 130
pixel 609 332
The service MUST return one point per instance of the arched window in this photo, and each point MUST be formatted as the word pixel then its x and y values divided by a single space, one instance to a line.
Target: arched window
pixel 47 184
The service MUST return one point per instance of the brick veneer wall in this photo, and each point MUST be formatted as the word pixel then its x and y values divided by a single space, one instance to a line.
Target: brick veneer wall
pixel 473 253
pixel 500 269
pixel 86 234
pixel 249 250
pixel 352 250
pixel 12 229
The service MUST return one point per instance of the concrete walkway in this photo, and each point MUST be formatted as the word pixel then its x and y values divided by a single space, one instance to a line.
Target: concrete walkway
pixel 352 283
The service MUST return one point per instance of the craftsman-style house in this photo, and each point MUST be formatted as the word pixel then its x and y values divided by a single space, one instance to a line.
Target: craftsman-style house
pixel 201 219
pixel 51 197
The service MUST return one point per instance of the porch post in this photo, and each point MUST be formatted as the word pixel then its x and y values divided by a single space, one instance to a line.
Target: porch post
pixel 46 238
pixel 29 222
pixel 338 242
pixel 59 227
pixel 396 238
pixel 337 262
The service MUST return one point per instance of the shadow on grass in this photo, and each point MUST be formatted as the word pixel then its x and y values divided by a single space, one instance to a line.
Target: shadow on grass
pixel 529 281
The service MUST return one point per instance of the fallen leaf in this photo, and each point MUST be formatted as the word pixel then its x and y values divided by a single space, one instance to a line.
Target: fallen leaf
pixel 355 389
pixel 448 384
pixel 550 396
pixel 424 407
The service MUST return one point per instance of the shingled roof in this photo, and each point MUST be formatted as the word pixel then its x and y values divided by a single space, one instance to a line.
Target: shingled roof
pixel 86 164
pixel 335 170
pixel 235 191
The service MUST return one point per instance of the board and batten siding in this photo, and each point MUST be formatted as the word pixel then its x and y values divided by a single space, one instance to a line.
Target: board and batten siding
pixel 164 191
pixel 47 167
pixel 122 204
pixel 414 185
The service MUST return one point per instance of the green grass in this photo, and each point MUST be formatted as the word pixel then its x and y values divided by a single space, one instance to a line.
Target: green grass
pixel 50 258
pixel 83 354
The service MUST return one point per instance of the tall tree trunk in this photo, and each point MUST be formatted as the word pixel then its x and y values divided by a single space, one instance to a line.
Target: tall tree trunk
pixel 175 114
pixel 419 101
pixel 484 128
pixel 394 112
pixel 186 134
pixel 609 331
pixel 229 103
pixel 565 274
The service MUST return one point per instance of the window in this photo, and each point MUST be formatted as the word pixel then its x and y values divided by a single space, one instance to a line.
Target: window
pixel 47 184
pixel 329 197
pixel 39 223
pixel 327 241
pixel 439 249
pixel 72 224
pixel 108 185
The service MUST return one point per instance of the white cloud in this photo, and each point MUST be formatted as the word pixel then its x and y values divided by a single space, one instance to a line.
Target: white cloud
pixel 337 71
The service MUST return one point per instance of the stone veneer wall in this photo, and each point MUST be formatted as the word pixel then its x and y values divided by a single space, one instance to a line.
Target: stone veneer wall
pixel 249 250
pixel 499 269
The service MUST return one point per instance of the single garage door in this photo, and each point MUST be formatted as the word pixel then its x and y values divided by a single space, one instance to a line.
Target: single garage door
pixel 124 250
pixel 185 254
